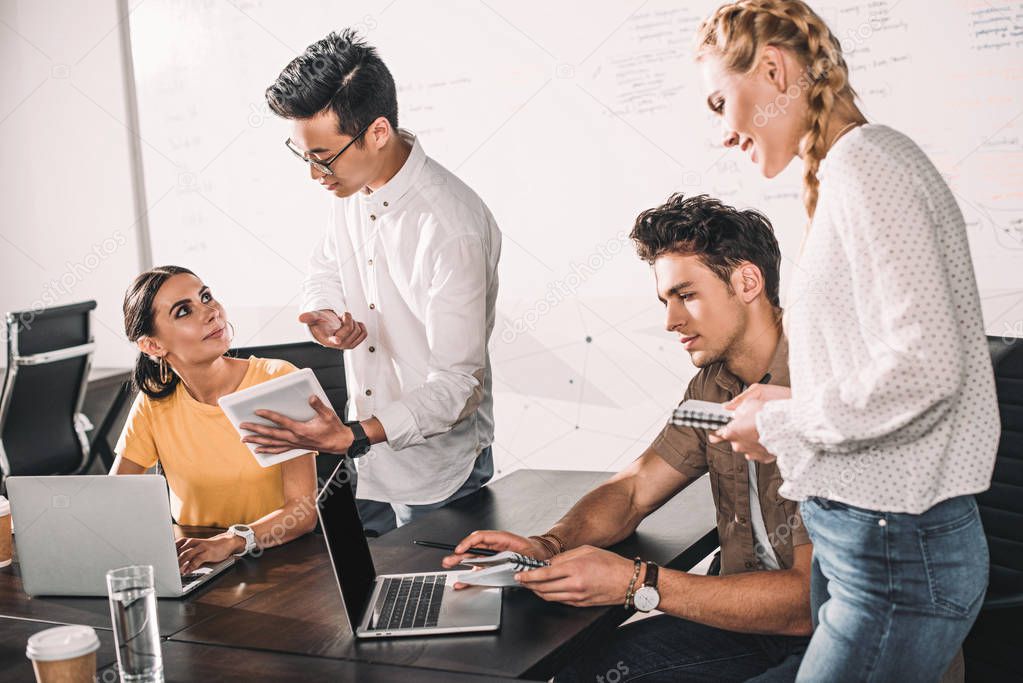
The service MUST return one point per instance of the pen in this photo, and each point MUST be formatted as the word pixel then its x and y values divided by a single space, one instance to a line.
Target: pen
pixel 448 546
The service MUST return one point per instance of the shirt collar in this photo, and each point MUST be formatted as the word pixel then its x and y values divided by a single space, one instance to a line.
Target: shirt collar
pixel 778 369
pixel 393 190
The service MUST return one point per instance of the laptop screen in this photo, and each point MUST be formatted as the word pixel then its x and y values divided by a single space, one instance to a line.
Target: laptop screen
pixel 342 529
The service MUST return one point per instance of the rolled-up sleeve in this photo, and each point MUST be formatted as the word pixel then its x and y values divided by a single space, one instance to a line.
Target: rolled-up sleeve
pixel 684 448
pixel 456 327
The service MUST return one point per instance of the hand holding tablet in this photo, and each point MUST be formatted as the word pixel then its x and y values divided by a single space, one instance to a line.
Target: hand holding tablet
pixel 278 417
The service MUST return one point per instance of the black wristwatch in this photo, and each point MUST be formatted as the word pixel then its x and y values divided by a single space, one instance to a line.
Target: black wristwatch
pixel 361 444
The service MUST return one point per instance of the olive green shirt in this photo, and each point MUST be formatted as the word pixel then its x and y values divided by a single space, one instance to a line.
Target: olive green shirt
pixel 688 451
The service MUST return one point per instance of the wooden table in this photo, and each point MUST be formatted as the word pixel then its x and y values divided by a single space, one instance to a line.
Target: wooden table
pixel 284 609
pixel 14 635
pixel 188 663
pixel 239 583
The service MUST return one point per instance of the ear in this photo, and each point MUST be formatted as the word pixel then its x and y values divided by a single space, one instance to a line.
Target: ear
pixel 772 68
pixel 150 347
pixel 380 132
pixel 747 282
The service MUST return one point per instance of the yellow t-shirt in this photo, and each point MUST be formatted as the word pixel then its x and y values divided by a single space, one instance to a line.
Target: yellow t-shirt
pixel 214 479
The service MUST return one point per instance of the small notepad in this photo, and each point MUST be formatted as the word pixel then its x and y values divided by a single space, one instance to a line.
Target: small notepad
pixel 498 570
pixel 701 415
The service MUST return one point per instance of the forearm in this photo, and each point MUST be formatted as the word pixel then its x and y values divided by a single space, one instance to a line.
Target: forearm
pixel 603 517
pixel 374 430
pixel 295 518
pixel 767 602
pixel 123 465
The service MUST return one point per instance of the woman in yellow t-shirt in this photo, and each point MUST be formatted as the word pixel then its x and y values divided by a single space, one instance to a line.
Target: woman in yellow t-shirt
pixel 181 371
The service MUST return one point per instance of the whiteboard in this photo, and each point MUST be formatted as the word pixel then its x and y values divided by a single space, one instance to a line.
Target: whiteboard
pixel 568 118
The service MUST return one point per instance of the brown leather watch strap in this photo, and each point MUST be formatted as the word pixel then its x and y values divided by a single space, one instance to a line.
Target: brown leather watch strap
pixel 651 575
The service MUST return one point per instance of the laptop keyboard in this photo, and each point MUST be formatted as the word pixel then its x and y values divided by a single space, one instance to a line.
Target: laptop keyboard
pixel 409 602
pixel 194 577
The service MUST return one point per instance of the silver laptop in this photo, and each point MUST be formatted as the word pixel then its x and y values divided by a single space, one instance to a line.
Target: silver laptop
pixel 70 530
pixel 395 604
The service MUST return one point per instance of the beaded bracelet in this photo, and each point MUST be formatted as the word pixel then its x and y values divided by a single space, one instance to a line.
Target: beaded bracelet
pixel 555 539
pixel 546 543
pixel 632 584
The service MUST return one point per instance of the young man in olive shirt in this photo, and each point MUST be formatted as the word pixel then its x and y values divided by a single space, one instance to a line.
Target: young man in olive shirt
pixel 717 274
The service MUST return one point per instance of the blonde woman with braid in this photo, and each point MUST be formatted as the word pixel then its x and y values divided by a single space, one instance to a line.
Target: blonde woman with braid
pixel 891 422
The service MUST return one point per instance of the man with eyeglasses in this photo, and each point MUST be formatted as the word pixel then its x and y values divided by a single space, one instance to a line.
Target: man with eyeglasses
pixel 404 280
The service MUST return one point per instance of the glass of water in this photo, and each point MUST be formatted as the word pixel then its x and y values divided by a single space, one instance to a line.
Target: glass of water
pixel 136 632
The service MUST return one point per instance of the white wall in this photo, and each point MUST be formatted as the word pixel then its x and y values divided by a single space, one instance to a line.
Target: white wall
pixel 68 229
pixel 568 118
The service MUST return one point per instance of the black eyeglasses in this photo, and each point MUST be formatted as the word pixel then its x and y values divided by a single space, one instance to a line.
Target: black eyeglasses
pixel 324 166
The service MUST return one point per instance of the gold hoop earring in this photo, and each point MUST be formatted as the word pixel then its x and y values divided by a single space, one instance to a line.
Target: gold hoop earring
pixel 166 375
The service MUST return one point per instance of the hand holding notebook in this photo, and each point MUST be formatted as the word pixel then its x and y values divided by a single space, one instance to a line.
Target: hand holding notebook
pixel 497 570
pixel 701 415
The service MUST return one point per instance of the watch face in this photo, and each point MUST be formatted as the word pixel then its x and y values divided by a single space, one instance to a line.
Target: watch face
pixel 646 599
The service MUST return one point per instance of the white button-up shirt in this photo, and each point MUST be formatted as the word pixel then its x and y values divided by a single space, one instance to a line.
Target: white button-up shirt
pixel 416 262
pixel 893 397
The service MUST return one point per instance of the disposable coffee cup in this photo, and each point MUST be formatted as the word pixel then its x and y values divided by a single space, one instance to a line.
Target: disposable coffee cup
pixel 5 532
pixel 65 654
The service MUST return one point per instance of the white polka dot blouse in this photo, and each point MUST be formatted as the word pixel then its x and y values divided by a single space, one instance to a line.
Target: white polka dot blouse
pixel 893 398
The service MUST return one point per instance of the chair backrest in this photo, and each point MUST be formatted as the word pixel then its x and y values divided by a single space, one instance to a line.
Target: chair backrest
pixel 1001 506
pixel 48 357
pixel 327 365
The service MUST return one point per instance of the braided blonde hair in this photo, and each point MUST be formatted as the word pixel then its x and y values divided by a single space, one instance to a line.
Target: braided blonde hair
pixel 738 31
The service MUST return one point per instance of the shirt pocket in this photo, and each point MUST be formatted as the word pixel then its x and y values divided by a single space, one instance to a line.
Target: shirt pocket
pixel 721 463
pixel 784 524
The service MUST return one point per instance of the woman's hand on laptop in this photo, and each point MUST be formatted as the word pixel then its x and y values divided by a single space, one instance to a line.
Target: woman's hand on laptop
pixel 325 432
pixel 195 552
pixel 343 332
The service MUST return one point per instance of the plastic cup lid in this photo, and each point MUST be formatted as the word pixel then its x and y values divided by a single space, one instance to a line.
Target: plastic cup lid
pixel 62 642
pixel 5 507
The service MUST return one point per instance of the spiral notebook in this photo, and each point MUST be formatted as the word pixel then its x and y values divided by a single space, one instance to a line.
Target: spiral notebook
pixel 498 570
pixel 701 415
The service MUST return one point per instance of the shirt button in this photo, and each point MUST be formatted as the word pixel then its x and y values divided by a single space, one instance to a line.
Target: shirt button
pixel 372 349
pixel 372 217
pixel 742 520
pixel 371 262
pixel 386 204
pixel 749 565
pixel 372 306
pixel 369 392
pixel 882 522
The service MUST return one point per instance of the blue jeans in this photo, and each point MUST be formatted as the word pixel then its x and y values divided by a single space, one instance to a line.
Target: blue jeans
pixel 381 517
pixel 900 591
pixel 666 648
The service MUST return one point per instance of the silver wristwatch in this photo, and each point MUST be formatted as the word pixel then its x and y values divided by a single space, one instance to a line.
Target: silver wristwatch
pixel 246 533
pixel 647 598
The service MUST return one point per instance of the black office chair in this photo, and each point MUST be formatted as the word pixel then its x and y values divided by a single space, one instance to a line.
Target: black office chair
pixel 42 430
pixel 115 415
pixel 989 649
pixel 327 365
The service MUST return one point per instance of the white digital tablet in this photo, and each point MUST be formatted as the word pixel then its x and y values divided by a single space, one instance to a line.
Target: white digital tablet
pixel 287 395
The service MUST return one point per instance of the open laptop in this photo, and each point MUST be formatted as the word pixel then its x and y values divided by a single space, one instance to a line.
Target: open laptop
pixel 71 530
pixel 395 604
